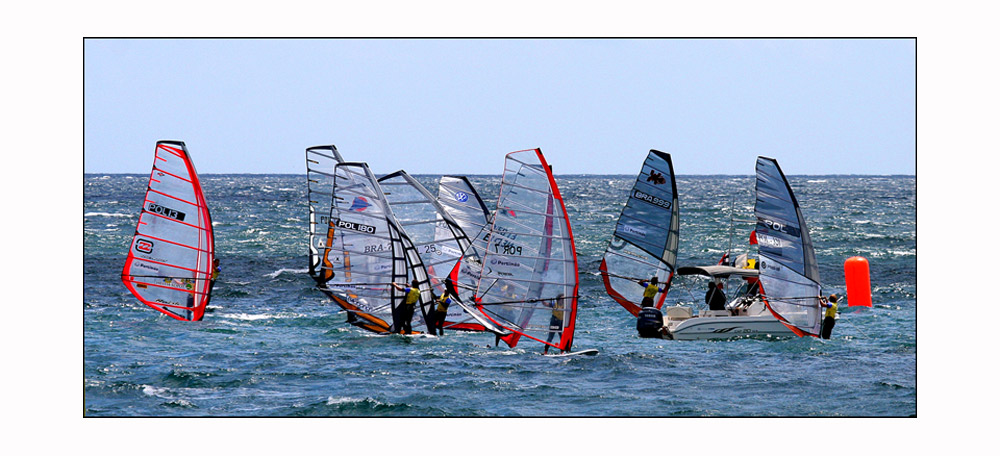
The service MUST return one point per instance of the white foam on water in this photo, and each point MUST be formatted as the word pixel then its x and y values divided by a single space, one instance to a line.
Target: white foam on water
pixel 283 270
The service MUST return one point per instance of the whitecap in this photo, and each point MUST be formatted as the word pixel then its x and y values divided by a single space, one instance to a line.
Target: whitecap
pixel 150 390
pixel 256 317
pixel 343 400
pixel 293 271
pixel 105 214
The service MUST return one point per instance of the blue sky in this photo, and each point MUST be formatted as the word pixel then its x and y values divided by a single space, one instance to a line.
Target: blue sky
pixel 825 106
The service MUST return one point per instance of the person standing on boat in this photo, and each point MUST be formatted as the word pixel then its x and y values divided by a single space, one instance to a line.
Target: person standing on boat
pixel 556 320
pixel 651 290
pixel 715 297
pixel 830 316
pixel 408 304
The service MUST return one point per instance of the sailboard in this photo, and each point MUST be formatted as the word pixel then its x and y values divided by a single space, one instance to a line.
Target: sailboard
pixel 441 243
pixel 587 352
pixel 170 260
pixel 367 250
pixel 320 161
pixel 529 278
pixel 789 274
pixel 646 236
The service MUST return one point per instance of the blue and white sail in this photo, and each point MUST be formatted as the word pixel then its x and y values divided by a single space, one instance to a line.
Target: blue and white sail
pixel 789 275
pixel 646 237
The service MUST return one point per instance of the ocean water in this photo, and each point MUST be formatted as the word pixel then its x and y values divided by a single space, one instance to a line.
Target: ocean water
pixel 275 346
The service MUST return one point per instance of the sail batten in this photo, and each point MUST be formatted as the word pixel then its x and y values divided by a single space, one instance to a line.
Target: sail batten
pixel 646 237
pixel 170 259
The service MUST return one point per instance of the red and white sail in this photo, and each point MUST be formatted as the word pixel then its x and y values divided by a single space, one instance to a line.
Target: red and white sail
pixel 169 264
pixel 529 281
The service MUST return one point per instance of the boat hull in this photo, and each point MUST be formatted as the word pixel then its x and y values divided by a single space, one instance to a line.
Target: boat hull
pixel 726 327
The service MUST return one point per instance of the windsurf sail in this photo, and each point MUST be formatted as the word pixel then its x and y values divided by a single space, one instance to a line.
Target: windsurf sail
pixel 320 161
pixel 169 263
pixel 441 244
pixel 529 280
pixel 646 237
pixel 789 275
pixel 367 251
pixel 459 198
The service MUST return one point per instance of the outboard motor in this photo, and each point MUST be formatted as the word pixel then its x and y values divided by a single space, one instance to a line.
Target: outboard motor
pixel 650 322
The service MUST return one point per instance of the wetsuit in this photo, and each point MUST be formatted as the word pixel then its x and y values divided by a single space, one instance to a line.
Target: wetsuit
pixel 555 321
pixel 440 312
pixel 406 309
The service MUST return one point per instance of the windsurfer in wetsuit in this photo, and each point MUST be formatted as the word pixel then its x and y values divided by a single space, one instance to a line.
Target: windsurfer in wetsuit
pixel 651 289
pixel 441 310
pixel 556 320
pixel 407 306
pixel 829 317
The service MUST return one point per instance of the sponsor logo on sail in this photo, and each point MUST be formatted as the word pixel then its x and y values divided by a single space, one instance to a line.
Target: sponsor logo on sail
pixel 629 229
pixel 359 204
pixel 461 197
pixel 637 194
pixel 166 211
pixel 771 266
pixel 142 265
pixel 656 178
pixel 512 264
pixel 144 246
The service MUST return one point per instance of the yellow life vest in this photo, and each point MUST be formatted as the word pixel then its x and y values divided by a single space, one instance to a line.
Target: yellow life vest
pixel 831 311
pixel 442 304
pixel 412 296
pixel 557 312
pixel 650 291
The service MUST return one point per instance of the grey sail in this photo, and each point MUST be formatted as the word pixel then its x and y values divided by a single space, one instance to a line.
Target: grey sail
pixel 789 275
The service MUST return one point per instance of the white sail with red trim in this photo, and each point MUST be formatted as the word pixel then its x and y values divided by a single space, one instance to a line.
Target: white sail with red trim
pixel 529 280
pixel 169 263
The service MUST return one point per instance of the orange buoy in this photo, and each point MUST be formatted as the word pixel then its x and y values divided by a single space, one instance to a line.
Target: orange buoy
pixel 859 288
